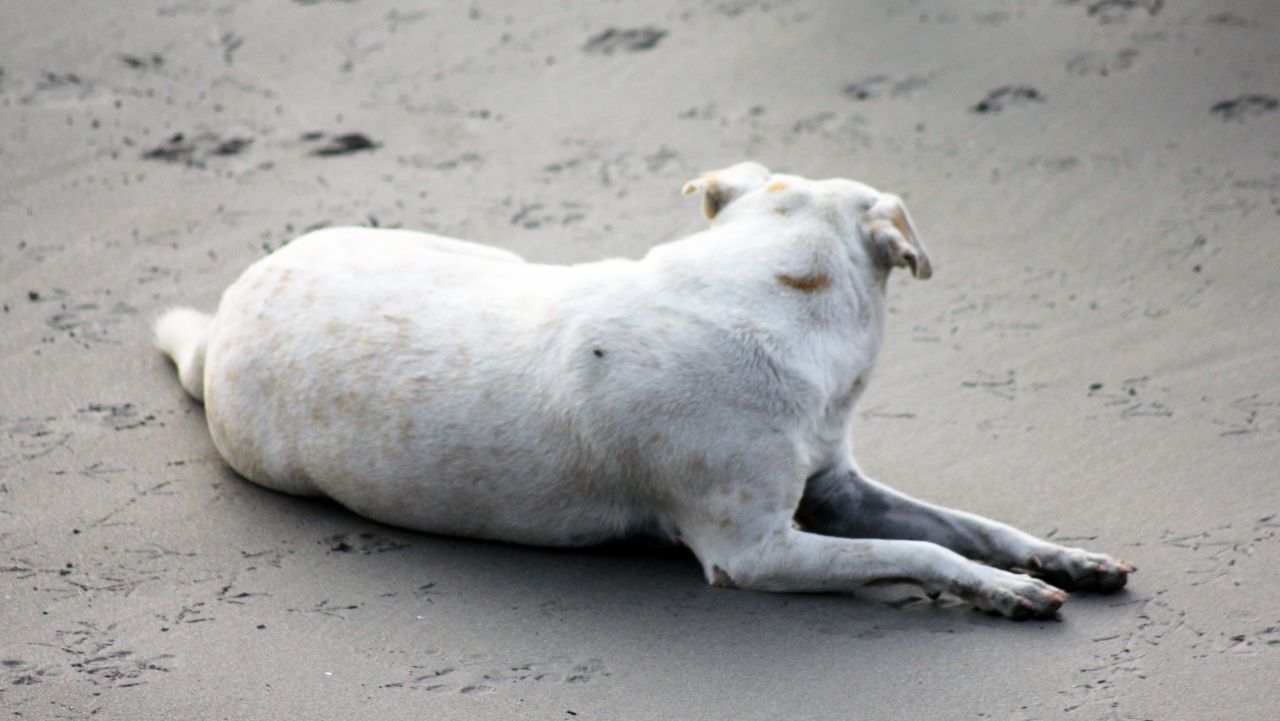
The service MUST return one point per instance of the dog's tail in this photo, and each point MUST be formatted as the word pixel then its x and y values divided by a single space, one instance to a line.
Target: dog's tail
pixel 182 334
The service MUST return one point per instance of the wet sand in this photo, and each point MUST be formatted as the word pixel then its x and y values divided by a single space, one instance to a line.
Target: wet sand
pixel 1098 184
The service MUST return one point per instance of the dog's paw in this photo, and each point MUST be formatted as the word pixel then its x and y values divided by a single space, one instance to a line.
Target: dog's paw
pixel 1078 569
pixel 1012 595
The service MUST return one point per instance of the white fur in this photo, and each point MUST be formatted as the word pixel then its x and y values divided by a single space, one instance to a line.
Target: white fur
pixel 698 394
pixel 181 334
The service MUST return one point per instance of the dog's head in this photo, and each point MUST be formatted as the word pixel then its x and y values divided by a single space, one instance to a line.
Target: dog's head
pixel 878 223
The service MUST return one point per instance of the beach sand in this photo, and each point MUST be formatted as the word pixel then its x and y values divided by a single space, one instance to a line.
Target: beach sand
pixel 1095 360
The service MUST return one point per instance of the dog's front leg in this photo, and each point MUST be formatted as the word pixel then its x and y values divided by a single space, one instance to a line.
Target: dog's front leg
pixel 786 559
pixel 843 502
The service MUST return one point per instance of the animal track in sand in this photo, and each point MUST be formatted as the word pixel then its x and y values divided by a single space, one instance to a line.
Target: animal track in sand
pixel 197 149
pixel 99 659
pixel 1007 96
pixel 336 145
pixel 1107 12
pixel 1104 64
pixel 875 87
pixel 117 416
pixel 1134 397
pixel 364 543
pixel 1244 106
pixel 632 40
pixel 484 676
pixel 86 322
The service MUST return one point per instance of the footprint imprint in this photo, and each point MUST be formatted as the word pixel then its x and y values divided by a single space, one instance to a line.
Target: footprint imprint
pixel 336 145
pixel 1244 106
pixel 455 678
pixel 196 150
pixel 878 86
pixel 632 40
pixel 365 543
pixel 1007 96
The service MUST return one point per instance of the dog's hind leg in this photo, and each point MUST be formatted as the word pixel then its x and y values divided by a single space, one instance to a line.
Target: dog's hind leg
pixel 843 502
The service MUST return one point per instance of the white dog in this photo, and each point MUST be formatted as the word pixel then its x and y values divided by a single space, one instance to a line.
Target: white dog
pixel 703 394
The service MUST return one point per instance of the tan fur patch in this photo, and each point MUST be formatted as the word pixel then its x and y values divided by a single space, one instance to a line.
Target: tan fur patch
pixel 282 283
pixel 775 186
pixel 806 283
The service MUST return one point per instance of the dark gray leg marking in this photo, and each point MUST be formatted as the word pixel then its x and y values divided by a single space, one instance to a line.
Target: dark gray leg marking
pixel 842 502
pixel 845 503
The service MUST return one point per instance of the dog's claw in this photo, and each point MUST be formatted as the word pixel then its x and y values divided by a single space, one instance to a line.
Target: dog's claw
pixel 1013 595
pixel 1079 569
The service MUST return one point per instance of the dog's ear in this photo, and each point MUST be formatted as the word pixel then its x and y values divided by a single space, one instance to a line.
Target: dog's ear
pixel 721 187
pixel 891 232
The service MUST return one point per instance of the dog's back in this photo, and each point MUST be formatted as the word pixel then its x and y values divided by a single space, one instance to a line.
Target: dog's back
pixel 407 382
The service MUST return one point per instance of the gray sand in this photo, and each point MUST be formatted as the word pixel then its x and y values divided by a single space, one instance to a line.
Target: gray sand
pixel 1095 359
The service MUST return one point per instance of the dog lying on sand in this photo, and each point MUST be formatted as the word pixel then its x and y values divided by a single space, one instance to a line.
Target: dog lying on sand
pixel 703 394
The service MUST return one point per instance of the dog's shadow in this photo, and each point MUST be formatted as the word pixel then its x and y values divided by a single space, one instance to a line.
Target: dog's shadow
pixel 611 589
